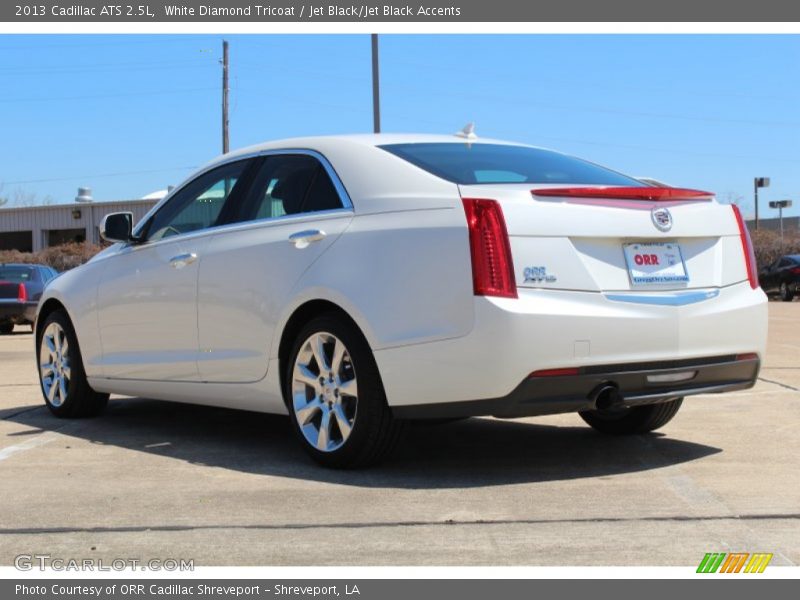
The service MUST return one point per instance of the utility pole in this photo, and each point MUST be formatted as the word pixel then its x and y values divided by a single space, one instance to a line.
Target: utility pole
pixel 225 92
pixel 376 85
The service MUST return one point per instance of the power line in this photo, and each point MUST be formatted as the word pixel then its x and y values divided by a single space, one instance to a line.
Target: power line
pixel 115 65
pixel 639 87
pixel 100 176
pixel 110 95
pixel 505 100
pixel 150 41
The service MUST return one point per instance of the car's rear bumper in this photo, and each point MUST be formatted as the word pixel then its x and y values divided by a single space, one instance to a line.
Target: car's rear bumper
pixel 556 329
pixel 634 384
pixel 17 312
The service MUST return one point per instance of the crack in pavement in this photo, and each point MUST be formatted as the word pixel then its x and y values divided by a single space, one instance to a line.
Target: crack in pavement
pixel 379 524
pixel 783 385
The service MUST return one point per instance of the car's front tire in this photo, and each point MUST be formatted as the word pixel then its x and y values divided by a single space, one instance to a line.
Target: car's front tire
pixel 636 419
pixel 61 375
pixel 787 293
pixel 335 396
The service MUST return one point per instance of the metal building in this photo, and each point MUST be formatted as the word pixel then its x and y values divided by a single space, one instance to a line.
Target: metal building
pixel 33 228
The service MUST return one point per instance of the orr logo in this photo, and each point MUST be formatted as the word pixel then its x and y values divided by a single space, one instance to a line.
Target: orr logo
pixel 736 562
pixel 646 259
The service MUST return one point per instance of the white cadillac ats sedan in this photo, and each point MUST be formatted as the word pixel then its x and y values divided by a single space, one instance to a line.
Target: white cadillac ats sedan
pixel 356 282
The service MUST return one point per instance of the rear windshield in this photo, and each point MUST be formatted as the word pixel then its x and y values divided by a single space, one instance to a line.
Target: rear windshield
pixel 16 274
pixel 497 163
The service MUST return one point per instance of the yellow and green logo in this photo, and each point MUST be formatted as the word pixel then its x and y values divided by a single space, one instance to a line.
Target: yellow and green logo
pixel 736 562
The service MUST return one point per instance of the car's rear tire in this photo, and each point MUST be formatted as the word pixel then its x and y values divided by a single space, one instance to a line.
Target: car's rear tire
pixel 636 419
pixel 338 408
pixel 61 375
pixel 787 294
pixel 6 328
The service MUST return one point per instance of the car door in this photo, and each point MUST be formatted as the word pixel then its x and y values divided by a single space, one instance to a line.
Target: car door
pixel 147 296
pixel 766 276
pixel 783 273
pixel 294 211
pixel 773 276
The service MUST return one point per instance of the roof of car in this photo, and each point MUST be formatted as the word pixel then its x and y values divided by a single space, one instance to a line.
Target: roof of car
pixel 378 139
pixel 19 265
pixel 362 139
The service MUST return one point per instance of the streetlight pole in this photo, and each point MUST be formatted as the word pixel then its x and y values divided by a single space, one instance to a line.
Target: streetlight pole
pixel 376 91
pixel 759 182
pixel 780 205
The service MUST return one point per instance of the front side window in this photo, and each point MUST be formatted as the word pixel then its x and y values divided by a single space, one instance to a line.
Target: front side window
pixel 290 184
pixel 199 204
pixel 468 164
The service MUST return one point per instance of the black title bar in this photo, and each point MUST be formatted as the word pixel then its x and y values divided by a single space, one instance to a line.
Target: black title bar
pixel 139 11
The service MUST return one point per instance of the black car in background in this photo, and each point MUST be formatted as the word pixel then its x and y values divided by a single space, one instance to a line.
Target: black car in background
pixel 782 276
pixel 21 287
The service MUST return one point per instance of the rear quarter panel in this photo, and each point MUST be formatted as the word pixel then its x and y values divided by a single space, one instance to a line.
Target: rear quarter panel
pixel 404 277
pixel 402 268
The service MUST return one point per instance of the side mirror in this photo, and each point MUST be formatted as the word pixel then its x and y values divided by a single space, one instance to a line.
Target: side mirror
pixel 117 227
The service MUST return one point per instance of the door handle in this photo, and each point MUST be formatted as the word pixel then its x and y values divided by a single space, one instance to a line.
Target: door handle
pixel 302 239
pixel 180 261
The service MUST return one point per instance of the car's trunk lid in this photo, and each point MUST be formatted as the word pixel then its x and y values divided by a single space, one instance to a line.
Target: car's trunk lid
pixel 9 290
pixel 617 239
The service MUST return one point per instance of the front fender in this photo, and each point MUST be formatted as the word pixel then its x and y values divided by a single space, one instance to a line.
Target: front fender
pixel 76 291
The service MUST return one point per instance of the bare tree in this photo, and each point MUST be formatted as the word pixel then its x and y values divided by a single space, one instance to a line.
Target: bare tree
pixel 732 198
pixel 20 197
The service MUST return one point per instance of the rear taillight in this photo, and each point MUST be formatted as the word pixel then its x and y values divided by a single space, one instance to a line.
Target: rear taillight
pixel 22 293
pixel 747 248
pixel 492 266
pixel 795 270
pixel 625 193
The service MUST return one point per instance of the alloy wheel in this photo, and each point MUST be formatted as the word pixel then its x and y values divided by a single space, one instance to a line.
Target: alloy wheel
pixel 54 366
pixel 324 392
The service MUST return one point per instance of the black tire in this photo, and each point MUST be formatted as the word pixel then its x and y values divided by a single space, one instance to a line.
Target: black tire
pixel 374 432
pixel 638 419
pixel 81 400
pixel 6 328
pixel 787 294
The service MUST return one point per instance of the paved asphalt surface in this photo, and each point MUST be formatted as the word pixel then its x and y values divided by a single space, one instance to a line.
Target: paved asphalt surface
pixel 154 480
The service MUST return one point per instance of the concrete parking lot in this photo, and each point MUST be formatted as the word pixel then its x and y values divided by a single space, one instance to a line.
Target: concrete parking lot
pixel 158 480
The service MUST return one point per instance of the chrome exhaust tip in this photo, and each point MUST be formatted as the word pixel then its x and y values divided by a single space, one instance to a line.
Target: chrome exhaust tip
pixel 606 396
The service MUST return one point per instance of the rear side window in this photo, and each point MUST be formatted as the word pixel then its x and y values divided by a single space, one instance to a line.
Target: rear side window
pixel 469 164
pixel 290 184
pixel 16 274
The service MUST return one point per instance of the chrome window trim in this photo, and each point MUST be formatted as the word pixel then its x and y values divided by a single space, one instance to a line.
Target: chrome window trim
pixel 320 215
pixel 344 197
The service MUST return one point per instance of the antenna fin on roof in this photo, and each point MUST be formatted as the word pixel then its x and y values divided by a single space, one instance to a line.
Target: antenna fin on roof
pixel 468 132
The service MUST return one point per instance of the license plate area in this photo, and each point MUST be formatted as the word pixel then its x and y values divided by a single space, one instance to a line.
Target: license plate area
pixel 654 263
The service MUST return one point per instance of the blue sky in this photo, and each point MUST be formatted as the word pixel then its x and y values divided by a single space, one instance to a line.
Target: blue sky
pixel 130 114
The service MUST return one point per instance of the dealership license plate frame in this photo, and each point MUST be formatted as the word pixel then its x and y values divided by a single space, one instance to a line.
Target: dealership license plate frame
pixel 670 252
